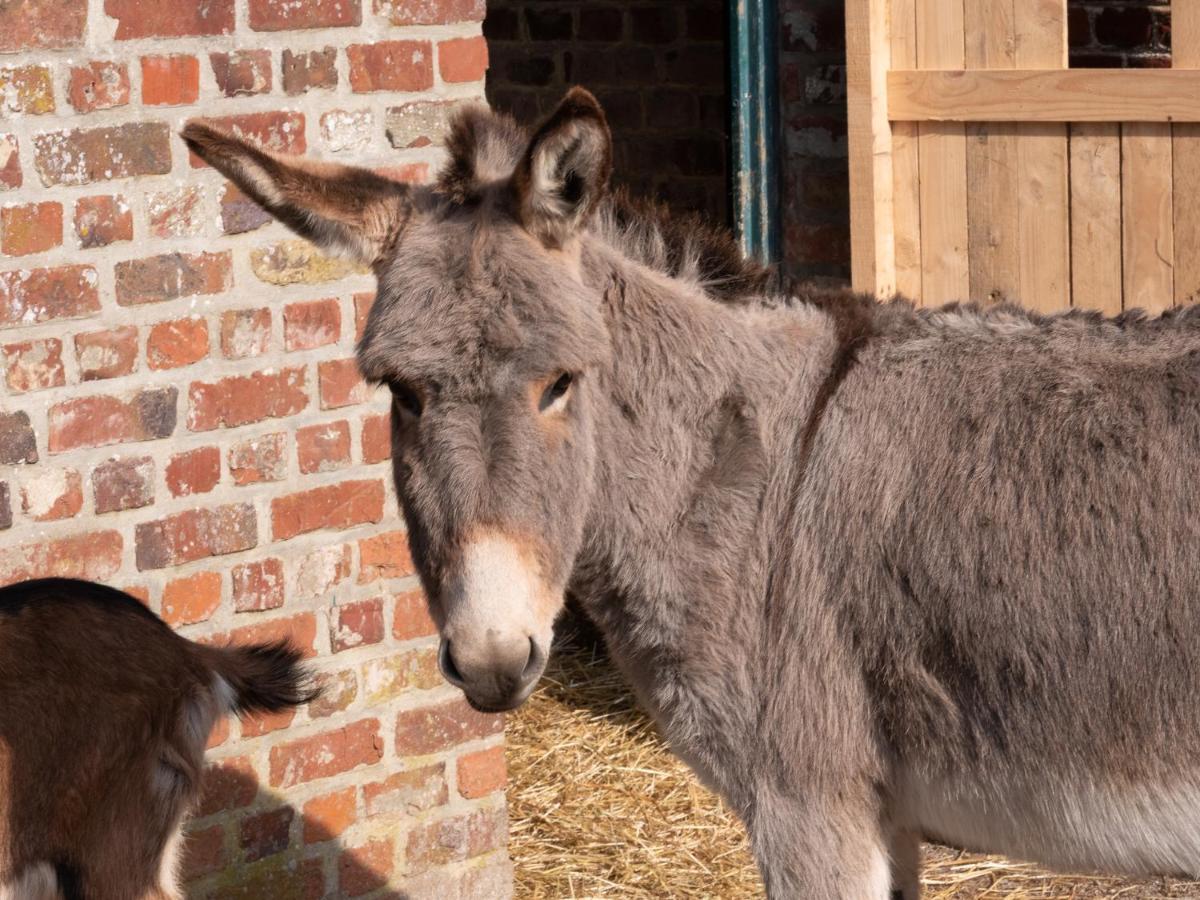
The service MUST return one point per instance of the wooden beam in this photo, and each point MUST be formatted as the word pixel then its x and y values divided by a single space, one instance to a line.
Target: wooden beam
pixel 906 161
pixel 1042 95
pixel 1185 53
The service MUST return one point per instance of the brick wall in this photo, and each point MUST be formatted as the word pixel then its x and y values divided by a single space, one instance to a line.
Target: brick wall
pixel 181 416
pixel 658 68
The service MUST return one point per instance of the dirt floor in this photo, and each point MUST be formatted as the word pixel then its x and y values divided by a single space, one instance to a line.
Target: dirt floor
pixel 600 808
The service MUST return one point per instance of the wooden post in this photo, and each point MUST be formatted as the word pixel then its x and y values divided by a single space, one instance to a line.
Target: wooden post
pixel 1185 54
pixel 906 162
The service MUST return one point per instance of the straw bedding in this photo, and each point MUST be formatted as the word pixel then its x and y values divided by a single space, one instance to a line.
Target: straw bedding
pixel 600 808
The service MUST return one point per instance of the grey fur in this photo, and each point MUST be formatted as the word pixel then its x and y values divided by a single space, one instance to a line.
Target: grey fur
pixel 879 573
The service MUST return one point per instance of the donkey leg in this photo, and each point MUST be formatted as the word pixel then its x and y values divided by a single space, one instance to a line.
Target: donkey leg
pixel 906 865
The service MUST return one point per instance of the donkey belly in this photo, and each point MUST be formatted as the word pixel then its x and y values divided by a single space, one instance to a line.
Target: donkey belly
pixel 1133 829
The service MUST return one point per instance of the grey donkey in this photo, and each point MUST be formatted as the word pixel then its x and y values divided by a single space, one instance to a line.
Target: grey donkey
pixel 879 573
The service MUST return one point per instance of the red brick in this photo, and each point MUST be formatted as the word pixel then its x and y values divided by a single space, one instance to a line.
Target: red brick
pixel 431 12
pixel 316 323
pixel 139 592
pixel 410 173
pixel 29 296
pixel 300 630
pixel 245 332
pixel 85 155
pixel 341 384
pixel 341 505
pixel 239 213
pixel 170 18
pixel 123 484
pixel 265 833
pixel 195 534
pixel 102 420
pixel 103 220
pixel 323 448
pixel 106 354
pixel 18 444
pixel 356 624
pixel 411 619
pixel 257 724
pixel 30 228
pixel 52 494
pixel 102 84
pixel 363 302
pixel 242 399
pixel 242 72
pixel 180 342
pixel 194 472
pixel 191 599
pixel 456 838
pixel 10 160
pixel 34 365
pixel 305 70
pixel 280 131
pixel 326 754
pixel 279 877
pixel 328 815
pixel 407 793
pixel 384 556
pixel 228 784
pixel 42 24
pixel 363 869
pixel 203 852
pixel 26 91
pixel 172 275
pixel 391 66
pixel 429 730
pixel 175 213
pixel 258 585
pixel 338 691
pixel 287 15
pixel 377 438
pixel 320 570
pixel 463 59
pixel 219 734
pixel 94 556
pixel 262 458
pixel 170 80
pixel 482 772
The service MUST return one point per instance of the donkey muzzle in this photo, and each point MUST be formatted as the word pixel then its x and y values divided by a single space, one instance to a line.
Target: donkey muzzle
pixel 496 679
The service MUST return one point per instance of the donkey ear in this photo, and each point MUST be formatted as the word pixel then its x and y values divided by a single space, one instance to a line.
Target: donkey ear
pixel 565 169
pixel 339 208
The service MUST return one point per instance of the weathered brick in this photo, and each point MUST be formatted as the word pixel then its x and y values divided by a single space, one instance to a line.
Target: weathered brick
pixel 280 877
pixel 239 213
pixel 42 24
pixel 170 18
pixel 312 324
pixel 262 458
pixel 102 220
pixel 462 59
pixel 195 534
pixel 286 15
pixel 34 365
pixel 323 448
pixel 26 91
pixel 419 124
pixel 101 84
pixel 411 619
pixel 106 354
pixel 431 12
pixel 321 570
pixel 482 772
pixel 456 838
pixel 377 438
pixel 245 332
pixel 29 296
pixel 242 399
pixel 10 160
pixel 390 678
pixel 430 729
pixel 175 213
pixel 265 833
pixel 356 624
pixel 343 130
pixel 407 793
pixel 300 630
pixel 342 505
pixel 170 80
pixel 180 342
pixel 391 66
pixel 51 494
pixel 203 853
pixel 102 420
pixel 256 724
pixel 363 301
pixel 172 275
pixel 384 556
pixel 18 444
pixel 228 784
pixel 93 556
pixel 194 471
pixel 84 155
pixel 242 72
pixel 341 384
pixel 258 585
pixel 280 131
pixel 219 734
pixel 365 868
pixel 298 262
pixel 191 599
pixel 307 70
pixel 326 754
pixel 123 484
pixel 326 816
pixel 6 515
pixel 338 691
pixel 30 228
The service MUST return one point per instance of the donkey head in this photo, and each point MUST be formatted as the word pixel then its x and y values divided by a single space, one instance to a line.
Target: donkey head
pixel 491 346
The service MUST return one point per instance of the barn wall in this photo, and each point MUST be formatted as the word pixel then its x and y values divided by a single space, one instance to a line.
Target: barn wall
pixel 180 413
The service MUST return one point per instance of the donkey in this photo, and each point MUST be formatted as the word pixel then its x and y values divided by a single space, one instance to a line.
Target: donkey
pixel 104 715
pixel 879 573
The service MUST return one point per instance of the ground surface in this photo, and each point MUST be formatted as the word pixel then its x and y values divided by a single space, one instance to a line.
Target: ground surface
pixel 599 808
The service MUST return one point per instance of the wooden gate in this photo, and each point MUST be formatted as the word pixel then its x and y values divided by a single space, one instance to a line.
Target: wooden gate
pixel 981 166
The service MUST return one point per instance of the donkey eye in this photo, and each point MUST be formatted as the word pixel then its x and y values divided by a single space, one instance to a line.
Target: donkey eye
pixel 555 392
pixel 406 397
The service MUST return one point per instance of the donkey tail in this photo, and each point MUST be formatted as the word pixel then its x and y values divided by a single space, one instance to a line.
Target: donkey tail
pixel 261 677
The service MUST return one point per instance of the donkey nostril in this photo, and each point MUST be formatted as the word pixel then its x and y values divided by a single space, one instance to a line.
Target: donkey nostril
pixel 446 664
pixel 533 666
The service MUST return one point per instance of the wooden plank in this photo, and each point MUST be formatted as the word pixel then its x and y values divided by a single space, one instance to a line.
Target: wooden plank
pixel 1043 230
pixel 1036 95
pixel 1096 217
pixel 872 239
pixel 943 152
pixel 906 169
pixel 1185 53
pixel 992 210
pixel 1147 228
